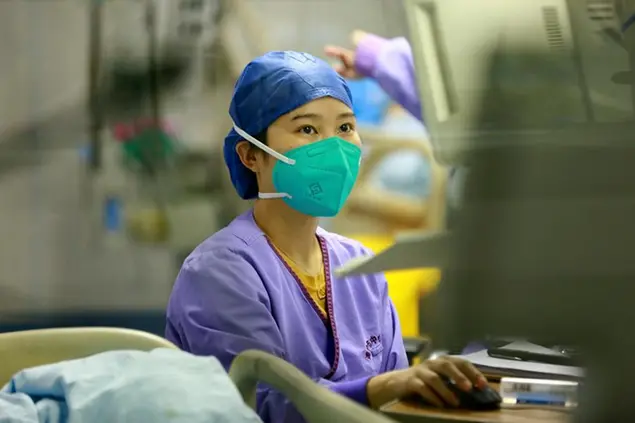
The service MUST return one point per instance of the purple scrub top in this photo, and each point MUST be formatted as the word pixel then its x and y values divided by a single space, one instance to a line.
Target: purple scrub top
pixel 235 293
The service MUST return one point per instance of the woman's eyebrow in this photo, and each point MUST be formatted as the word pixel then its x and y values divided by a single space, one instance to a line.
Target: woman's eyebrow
pixel 306 116
pixel 319 116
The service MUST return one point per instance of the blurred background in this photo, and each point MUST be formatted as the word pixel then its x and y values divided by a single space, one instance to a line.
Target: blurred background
pixel 112 118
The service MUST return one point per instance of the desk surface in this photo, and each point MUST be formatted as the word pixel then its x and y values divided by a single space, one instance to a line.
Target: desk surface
pixel 409 412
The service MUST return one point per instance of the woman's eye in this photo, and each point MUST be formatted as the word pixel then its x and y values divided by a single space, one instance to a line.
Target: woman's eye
pixel 308 130
pixel 346 127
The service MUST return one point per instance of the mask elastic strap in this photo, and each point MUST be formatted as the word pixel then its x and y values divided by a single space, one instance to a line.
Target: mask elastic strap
pixel 274 153
pixel 263 147
pixel 270 195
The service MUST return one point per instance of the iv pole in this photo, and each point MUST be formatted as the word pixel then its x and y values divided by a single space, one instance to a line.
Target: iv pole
pixel 96 121
pixel 95 46
pixel 151 25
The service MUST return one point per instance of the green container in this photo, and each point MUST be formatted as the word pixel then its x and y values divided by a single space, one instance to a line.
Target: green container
pixel 152 147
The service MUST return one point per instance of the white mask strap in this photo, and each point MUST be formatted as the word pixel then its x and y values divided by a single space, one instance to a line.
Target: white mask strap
pixel 270 195
pixel 263 147
pixel 274 153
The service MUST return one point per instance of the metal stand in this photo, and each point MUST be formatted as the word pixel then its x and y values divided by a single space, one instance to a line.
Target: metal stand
pixel 96 121
pixel 153 73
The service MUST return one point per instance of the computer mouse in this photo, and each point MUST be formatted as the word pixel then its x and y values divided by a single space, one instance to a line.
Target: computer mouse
pixel 484 399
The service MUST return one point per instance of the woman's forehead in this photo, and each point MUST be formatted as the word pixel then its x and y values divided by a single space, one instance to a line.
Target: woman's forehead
pixel 325 108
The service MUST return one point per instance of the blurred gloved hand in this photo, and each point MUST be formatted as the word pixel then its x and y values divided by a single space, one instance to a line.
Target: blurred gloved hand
pixel 346 57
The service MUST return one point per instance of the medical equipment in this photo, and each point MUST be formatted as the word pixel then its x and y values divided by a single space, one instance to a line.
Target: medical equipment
pixel 542 248
pixel 138 51
pixel 180 27
pixel 452 49
pixel 561 393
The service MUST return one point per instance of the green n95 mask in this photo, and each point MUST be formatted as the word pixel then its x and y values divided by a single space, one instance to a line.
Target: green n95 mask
pixel 314 179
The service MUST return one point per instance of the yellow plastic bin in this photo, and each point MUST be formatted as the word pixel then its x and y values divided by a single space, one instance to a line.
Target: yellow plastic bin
pixel 405 287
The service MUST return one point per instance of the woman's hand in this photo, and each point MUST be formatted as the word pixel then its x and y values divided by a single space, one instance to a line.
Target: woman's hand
pixel 346 57
pixel 426 380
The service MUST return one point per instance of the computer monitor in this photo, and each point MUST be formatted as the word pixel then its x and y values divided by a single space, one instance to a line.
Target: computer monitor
pixel 543 249
pixel 452 41
pixel 543 243
pixel 524 93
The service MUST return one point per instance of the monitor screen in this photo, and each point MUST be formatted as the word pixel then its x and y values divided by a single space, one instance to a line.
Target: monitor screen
pixel 537 64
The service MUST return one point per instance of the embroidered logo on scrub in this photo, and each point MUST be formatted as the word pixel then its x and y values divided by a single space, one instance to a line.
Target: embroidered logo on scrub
pixel 373 347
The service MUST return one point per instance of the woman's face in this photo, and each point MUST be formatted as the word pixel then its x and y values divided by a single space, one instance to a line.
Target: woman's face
pixel 320 119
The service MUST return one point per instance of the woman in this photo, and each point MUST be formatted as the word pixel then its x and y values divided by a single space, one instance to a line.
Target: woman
pixel 265 281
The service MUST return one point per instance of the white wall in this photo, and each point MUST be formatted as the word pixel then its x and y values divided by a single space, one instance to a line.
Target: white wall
pixel 51 254
pixel 44 44
pixel 307 25
pixel 50 257
pixel 42 58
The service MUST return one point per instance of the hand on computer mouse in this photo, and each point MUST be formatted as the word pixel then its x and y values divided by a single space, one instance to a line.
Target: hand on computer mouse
pixel 428 380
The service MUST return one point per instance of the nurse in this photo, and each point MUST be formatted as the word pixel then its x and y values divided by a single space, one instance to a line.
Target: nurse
pixel 265 281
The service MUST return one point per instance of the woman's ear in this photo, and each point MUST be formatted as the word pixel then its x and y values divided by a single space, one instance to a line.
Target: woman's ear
pixel 247 155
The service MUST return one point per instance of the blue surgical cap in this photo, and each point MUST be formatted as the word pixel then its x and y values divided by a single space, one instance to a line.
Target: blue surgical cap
pixel 271 86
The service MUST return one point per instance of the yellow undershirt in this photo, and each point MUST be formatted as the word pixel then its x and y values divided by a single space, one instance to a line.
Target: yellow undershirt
pixel 314 284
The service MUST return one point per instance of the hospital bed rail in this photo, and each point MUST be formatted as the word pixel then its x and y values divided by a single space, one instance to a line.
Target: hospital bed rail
pixel 30 348
pixel 25 349
pixel 315 403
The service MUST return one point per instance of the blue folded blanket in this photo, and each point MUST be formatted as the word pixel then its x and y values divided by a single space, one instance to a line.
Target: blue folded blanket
pixel 160 386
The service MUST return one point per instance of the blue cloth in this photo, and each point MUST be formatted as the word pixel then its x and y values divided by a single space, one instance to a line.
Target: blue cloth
pixel 125 386
pixel 369 100
pixel 404 172
pixel 270 86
